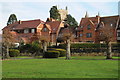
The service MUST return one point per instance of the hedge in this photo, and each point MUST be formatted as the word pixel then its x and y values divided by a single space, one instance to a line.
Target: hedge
pixel 14 52
pixel 51 54
pixel 90 47
pixel 62 52
pixel 84 45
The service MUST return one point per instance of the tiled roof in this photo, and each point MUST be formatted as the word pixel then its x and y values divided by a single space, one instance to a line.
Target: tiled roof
pixel 24 24
pixel 11 26
pixel 92 19
pixel 54 25
pixel 108 20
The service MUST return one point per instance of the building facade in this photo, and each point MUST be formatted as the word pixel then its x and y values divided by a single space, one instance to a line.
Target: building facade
pixel 88 29
pixel 32 30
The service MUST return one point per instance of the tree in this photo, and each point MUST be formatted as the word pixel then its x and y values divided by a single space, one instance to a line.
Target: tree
pixel 67 36
pixel 71 21
pixel 12 19
pixel 44 41
pixel 106 34
pixel 7 41
pixel 54 13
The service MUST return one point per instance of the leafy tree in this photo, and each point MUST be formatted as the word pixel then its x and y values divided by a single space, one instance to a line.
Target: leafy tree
pixel 54 13
pixel 33 48
pixel 12 19
pixel 71 21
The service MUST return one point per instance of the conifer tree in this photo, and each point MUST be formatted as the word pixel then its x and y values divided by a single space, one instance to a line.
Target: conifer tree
pixel 12 19
pixel 71 21
pixel 54 13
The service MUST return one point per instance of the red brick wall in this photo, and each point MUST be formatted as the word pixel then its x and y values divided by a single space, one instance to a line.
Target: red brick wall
pixel 85 22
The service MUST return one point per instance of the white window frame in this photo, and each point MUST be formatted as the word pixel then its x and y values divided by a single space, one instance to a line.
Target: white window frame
pixel 26 30
pixel 32 30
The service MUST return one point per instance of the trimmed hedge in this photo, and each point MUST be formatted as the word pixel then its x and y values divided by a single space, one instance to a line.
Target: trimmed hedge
pixel 84 45
pixel 62 52
pixel 14 52
pixel 51 54
pixel 91 47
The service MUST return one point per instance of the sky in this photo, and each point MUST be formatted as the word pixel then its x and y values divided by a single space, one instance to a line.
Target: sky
pixel 30 10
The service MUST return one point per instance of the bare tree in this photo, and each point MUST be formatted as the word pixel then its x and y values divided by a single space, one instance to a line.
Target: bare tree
pixel 7 41
pixel 44 40
pixel 66 36
pixel 106 34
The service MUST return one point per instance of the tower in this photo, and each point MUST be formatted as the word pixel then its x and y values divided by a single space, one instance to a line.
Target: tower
pixel 63 13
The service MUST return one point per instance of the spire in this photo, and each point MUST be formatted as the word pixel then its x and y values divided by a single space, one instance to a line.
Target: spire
pixel 66 8
pixel 98 14
pixel 86 15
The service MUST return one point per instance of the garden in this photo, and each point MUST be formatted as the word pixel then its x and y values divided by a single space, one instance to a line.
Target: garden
pixel 29 61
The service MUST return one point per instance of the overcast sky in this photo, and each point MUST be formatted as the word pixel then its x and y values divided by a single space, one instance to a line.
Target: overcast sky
pixel 29 10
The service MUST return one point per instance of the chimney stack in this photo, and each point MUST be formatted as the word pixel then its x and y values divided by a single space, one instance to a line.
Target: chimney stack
pixel 20 22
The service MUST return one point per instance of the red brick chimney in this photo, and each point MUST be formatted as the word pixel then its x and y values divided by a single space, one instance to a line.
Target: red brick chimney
pixel 20 22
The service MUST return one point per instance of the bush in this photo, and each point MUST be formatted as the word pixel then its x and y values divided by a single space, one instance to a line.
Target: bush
pixel 14 52
pixel 62 52
pixel 51 54
pixel 33 48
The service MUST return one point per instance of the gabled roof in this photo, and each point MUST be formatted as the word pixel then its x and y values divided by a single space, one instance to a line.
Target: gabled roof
pixel 108 20
pixel 24 24
pixel 54 26
pixel 93 20
pixel 11 26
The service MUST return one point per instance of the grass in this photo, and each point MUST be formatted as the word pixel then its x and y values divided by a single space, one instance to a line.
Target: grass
pixel 77 67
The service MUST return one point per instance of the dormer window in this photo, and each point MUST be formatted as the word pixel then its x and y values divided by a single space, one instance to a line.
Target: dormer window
pixel 32 30
pixel 26 31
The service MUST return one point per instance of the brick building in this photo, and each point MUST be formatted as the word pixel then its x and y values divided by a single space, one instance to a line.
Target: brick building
pixel 88 29
pixel 29 31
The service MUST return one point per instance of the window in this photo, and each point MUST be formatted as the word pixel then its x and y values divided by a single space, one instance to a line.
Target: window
pixel 81 35
pixel 32 30
pixel 88 35
pixel 81 26
pixel 88 27
pixel 111 24
pixel 118 34
pixel 26 31
pixel 45 29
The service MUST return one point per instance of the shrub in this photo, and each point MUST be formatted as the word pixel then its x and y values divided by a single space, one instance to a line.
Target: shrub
pixel 62 52
pixel 33 48
pixel 51 54
pixel 14 52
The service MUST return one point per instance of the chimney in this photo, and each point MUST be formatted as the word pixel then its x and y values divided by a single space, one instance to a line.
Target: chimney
pixel 86 15
pixel 20 22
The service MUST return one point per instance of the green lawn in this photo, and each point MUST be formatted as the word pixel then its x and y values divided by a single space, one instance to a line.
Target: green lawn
pixel 77 67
